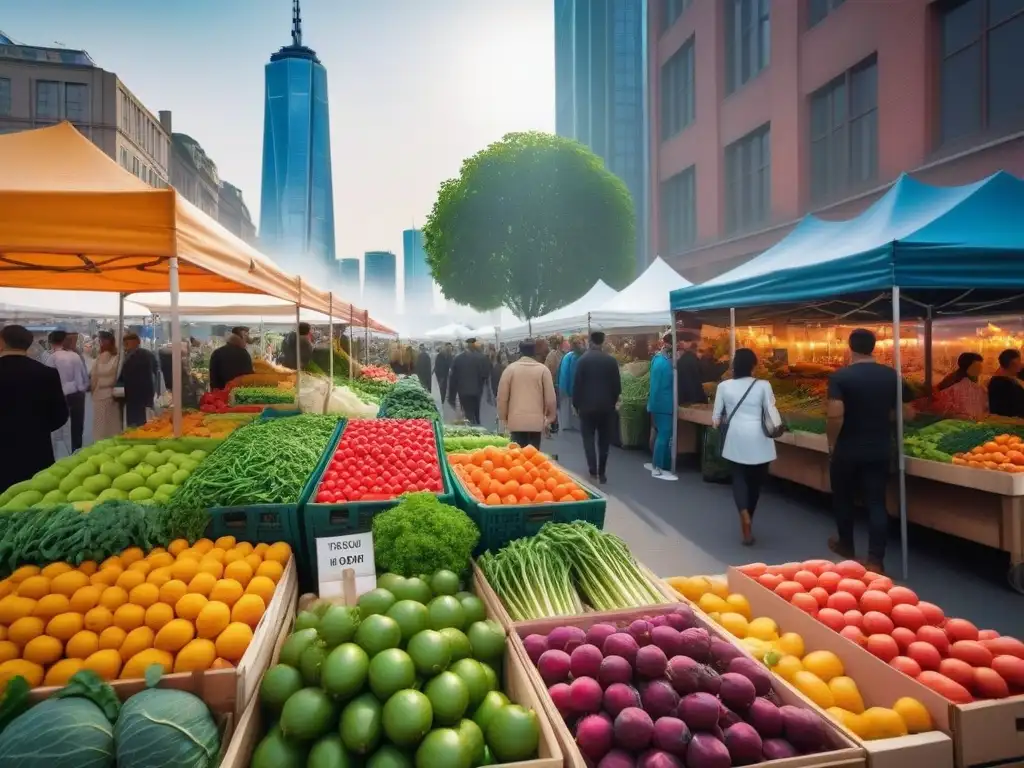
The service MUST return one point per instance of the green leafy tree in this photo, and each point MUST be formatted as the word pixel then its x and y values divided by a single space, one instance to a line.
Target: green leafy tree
pixel 531 223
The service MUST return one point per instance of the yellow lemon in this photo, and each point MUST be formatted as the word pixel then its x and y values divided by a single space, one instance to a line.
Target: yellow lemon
pixel 846 694
pixel 144 595
pixel 202 583
pixel 240 571
pixel 763 628
pixel 131 555
pixel 174 635
pixel 189 606
pixel 272 569
pixel 790 644
pixel 884 723
pixel 279 551
pixel 43 650
pixel 68 583
pixel 89 567
pixel 159 576
pixel 740 605
pixel 711 603
pixel 129 580
pixel 233 641
pixel 8 651
pixel 114 597
pixel 262 586
pixel 720 588
pixel 212 566
pixel 64 626
pixel 98 619
pixel 734 624
pixel 22 573
pixel 173 591
pixel 787 666
pixel 225 543
pixel 915 716
pixel 82 645
pixel 139 639
pixel 757 648
pixel 854 723
pixel 178 546
pixel 824 664
pixel 212 619
pixel 248 610
pixel 814 688
pixel 14 607
pixel 184 569
pixel 160 559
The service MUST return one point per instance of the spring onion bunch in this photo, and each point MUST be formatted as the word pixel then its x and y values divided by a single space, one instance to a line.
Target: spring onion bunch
pixel 532 579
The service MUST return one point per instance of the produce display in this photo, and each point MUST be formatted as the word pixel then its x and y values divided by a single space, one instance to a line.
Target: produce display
pixel 818 674
pixel 351 403
pixel 262 396
pixel 379 373
pixel 662 691
pixel 513 475
pixel 84 725
pixel 1004 453
pixel 422 535
pixel 410 676
pixel 184 608
pixel 106 471
pixel 949 655
pixel 268 379
pixel 268 462
pixel 563 566
pixel 193 424
pixel 469 439
pixel 379 460
pixel 370 389
pixel 217 401
pixel 408 400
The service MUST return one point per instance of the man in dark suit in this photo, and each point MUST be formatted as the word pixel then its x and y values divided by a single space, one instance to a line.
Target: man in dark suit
pixel 32 405
pixel 596 388
pixel 469 373
pixel 442 364
pixel 140 377
pixel 229 362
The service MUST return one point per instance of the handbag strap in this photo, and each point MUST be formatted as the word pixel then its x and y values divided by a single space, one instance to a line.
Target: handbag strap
pixel 737 406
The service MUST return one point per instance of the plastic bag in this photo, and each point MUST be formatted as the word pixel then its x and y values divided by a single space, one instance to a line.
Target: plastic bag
pixel 313 393
pixel 345 402
pixel 713 468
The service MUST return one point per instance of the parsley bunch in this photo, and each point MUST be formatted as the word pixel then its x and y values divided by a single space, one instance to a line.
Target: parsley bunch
pixel 422 535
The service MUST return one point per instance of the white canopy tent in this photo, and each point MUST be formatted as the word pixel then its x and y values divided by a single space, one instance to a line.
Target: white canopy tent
pixel 571 317
pixel 237 307
pixel 643 305
pixel 450 332
pixel 30 302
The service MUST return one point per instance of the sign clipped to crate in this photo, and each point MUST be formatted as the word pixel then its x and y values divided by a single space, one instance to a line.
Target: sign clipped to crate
pixel 341 557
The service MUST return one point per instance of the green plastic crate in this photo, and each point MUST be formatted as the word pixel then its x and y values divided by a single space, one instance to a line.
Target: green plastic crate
pixel 500 525
pixel 323 520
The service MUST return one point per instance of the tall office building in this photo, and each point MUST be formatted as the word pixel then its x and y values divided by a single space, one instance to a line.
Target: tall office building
pixel 379 278
pixel 601 90
pixel 348 275
pixel 419 285
pixel 297 198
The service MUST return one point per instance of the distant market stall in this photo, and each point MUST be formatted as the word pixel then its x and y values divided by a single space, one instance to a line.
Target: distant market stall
pixel 918 254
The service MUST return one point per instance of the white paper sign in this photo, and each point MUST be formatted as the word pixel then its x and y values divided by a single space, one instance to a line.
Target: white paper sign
pixel 336 554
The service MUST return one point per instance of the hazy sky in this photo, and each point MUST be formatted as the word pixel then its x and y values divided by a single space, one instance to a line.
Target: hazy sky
pixel 415 85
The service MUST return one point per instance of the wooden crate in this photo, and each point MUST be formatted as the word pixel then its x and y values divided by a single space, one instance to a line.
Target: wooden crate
pixel 226 690
pixel 517 686
pixel 845 754
pixel 984 733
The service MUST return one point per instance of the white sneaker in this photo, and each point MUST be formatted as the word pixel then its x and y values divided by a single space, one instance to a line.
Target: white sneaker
pixel 666 476
pixel 649 467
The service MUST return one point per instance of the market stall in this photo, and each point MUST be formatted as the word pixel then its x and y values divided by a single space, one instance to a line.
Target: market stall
pixel 918 254
pixel 570 318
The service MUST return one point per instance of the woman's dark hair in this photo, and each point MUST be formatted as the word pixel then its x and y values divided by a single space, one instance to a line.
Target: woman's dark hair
pixel 1007 356
pixel 963 364
pixel 744 363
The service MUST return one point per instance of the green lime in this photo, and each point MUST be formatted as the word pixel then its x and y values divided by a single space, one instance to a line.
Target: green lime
pixel 474 608
pixel 329 752
pixel 407 717
pixel 449 696
pixel 413 589
pixel 412 617
pixel 446 611
pixel 444 583
pixel 492 676
pixel 377 633
pixel 361 724
pixel 513 734
pixel 487 639
pixel 275 751
pixel 442 748
pixel 375 601
pixel 458 642
pixel 473 739
pixel 296 643
pixel 389 580
pixel 307 715
pixel 492 703
pixel 473 675
pixel 345 670
pixel 430 652
pixel 311 661
pixel 280 682
pixel 338 625
pixel 391 670
pixel 389 756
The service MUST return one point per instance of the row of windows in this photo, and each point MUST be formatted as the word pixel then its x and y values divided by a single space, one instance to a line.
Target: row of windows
pixel 817 10
pixel 5 95
pixel 141 128
pixel 58 101
pixel 134 165
pixel 678 108
pixel 671 10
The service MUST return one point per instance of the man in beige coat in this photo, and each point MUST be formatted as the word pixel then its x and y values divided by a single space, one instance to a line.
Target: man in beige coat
pixel 526 397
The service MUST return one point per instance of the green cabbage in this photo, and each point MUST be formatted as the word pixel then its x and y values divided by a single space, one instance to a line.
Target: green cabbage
pixel 162 728
pixel 59 733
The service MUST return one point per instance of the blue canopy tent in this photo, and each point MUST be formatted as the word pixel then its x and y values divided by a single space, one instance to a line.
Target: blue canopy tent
pixel 919 251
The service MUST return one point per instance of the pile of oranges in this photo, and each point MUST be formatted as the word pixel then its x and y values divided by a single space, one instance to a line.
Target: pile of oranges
pixel 186 608
pixel 1004 453
pixel 514 475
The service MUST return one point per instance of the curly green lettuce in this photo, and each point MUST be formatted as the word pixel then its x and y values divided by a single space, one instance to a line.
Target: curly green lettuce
pixel 422 535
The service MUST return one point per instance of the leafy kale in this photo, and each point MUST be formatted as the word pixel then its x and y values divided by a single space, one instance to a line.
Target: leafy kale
pixel 422 535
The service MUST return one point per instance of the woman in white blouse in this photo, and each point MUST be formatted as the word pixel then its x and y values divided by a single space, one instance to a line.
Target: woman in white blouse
pixel 747 406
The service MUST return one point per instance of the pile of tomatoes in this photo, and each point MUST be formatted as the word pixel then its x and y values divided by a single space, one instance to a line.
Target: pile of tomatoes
pixel 379 460
pixel 514 475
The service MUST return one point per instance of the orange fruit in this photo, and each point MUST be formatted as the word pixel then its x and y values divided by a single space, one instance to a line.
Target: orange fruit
pixel 55 569
pixel 184 569
pixel 22 573
pixel 174 635
pixel 249 610
pixel 35 587
pixel 144 595
pixel 239 571
pixel 215 554
pixel 211 566
pixel 159 576
pixel 106 576
pixel 212 619
pixel 202 583
pixel 280 552
pixel 130 579
pixel 198 655
pixel 105 663
pixel 114 597
pixel 86 598
pixel 24 629
pixel 8 651
pixel 14 607
pixel 64 626
pixel 173 591
pixel 203 545
pixel 220 663
pixel 131 555
pixel 113 560
pixel 138 664
pixel 82 645
pixel 260 548
pixel 160 560
pixel 233 641
pixel 112 638
pixel 7 587
pixel 139 639
pixel 142 566
pixel 89 567
pixel 178 546
pixel 254 561
pixel 98 619
pixel 60 673
pixel 189 606
pixel 49 606
pixel 68 583
pixel 129 616
pixel 30 670
pixel 232 555
pixel 226 591
pixel 244 547
pixel 262 586
pixel 43 650
pixel 157 615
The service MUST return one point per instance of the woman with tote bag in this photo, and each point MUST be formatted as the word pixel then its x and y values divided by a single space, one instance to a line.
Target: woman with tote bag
pixel 748 422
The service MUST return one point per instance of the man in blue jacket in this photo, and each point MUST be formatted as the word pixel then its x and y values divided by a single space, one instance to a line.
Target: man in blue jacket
pixel 661 406
pixel 566 376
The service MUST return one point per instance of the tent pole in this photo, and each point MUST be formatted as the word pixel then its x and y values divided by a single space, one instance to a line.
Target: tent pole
pixel 732 335
pixel 172 273
pixel 263 341
pixel 298 350
pixel 330 338
pixel 119 336
pixel 351 343
pixel 675 397
pixel 366 337
pixel 901 460
pixel 929 364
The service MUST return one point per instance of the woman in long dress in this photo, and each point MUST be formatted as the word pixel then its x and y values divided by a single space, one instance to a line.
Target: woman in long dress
pixel 106 411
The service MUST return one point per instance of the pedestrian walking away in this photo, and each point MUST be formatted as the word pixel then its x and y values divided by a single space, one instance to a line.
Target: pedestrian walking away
pixel 748 421
pixel 107 417
pixel 423 367
pixel 526 397
pixel 442 364
pixel 661 406
pixel 74 378
pixel 469 374
pixel 566 376
pixel 596 388
pixel 140 380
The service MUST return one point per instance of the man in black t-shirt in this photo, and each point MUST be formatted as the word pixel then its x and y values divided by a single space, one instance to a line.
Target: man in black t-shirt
pixel 862 402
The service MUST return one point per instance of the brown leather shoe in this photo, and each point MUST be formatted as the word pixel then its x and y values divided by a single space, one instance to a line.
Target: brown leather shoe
pixel 746 526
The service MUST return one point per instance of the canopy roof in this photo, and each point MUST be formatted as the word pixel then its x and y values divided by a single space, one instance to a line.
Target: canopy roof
pixel 571 317
pixel 72 217
pixel 249 307
pixel 450 332
pixel 16 303
pixel 643 304
pixel 950 250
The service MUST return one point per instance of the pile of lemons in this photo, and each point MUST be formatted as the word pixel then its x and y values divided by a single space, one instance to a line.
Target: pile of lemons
pixel 186 608
pixel 818 675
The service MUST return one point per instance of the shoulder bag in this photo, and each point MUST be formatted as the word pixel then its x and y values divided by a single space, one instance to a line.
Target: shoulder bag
pixel 723 422
pixel 768 426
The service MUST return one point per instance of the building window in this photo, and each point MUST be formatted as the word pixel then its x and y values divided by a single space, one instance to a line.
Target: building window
pixel 671 11
pixel 5 95
pixel 982 58
pixel 817 10
pixel 76 102
pixel 677 97
pixel 844 131
pixel 47 100
pixel 123 157
pixel 135 165
pixel 678 212
pixel 747 40
pixel 748 179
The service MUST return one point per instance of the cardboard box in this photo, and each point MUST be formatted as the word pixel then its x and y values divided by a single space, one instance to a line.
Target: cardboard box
pixel 226 690
pixel 845 753
pixel 517 686
pixel 984 733
pixel 879 684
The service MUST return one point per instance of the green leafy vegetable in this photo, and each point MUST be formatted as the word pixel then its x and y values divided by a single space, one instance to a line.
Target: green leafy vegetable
pixel 408 400
pixel 14 700
pixel 422 535
pixel 261 396
pixel 532 579
pixel 86 684
pixel 472 443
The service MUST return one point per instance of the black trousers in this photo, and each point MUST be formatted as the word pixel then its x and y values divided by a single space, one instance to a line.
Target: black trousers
pixel 870 479
pixel 526 438
pixel 76 414
pixel 597 424
pixel 471 407
pixel 442 382
pixel 747 480
pixel 135 413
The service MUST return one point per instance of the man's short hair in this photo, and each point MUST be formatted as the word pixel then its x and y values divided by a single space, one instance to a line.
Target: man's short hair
pixel 240 330
pixel 666 339
pixel 1007 356
pixel 527 347
pixel 235 339
pixel 471 340
pixel 131 336
pixel 303 329
pixel 57 337
pixel 597 337
pixel 16 337
pixel 862 341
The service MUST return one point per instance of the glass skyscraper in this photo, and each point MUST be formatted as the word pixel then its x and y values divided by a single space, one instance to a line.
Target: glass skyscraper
pixel 601 90
pixel 348 275
pixel 379 277
pixel 297 196
pixel 419 285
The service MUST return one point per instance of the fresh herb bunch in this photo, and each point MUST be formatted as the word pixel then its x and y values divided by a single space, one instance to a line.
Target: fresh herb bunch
pixel 422 535
pixel 408 400
pixel 261 396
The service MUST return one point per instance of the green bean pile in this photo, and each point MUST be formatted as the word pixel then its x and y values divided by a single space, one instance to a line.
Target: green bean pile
pixel 261 396
pixel 266 462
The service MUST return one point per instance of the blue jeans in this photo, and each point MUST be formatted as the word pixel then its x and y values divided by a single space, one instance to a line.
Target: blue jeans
pixel 662 440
